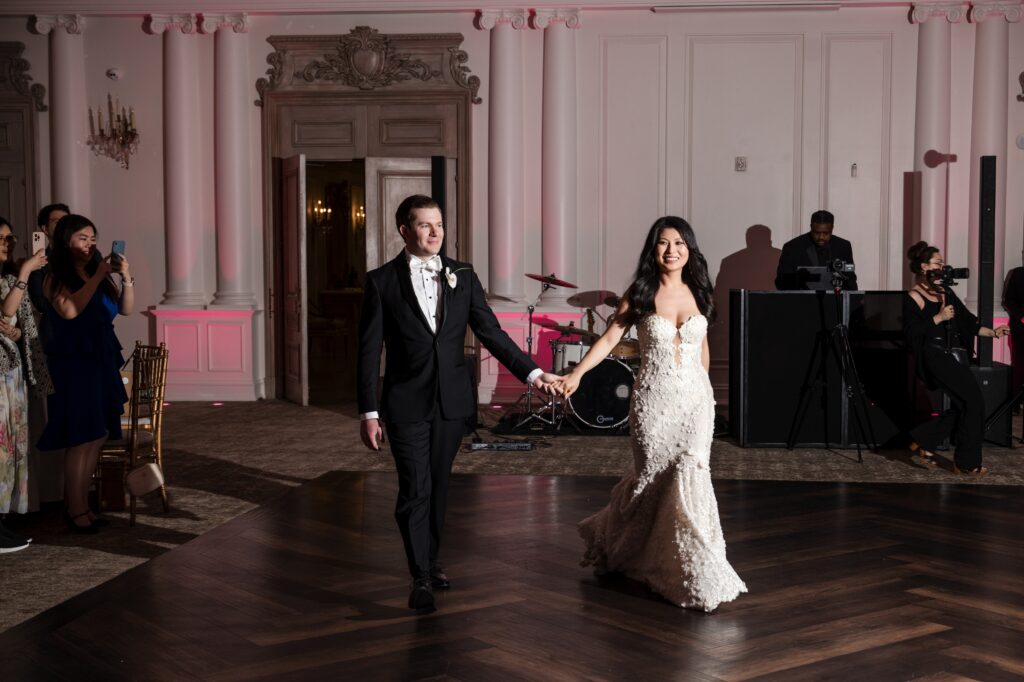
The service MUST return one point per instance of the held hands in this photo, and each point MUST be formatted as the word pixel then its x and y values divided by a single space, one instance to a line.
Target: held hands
pixel 371 432
pixel 547 382
pixel 567 385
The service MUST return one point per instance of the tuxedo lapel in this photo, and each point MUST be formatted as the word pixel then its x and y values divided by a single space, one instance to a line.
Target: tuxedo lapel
pixel 446 296
pixel 405 284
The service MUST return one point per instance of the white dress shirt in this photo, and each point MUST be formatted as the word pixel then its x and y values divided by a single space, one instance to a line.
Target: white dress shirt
pixel 426 283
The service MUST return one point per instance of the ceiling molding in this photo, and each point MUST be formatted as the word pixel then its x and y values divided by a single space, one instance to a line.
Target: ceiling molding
pixel 274 7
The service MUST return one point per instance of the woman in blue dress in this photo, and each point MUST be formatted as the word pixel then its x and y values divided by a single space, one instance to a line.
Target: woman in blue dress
pixel 84 356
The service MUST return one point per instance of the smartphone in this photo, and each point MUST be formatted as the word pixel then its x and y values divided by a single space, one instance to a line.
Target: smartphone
pixel 38 241
pixel 116 251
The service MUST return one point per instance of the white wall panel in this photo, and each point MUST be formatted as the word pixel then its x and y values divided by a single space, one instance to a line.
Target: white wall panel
pixel 745 100
pixel 855 153
pixel 633 119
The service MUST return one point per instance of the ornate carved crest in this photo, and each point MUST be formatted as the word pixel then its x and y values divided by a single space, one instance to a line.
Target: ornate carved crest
pixel 276 61
pixel 14 75
pixel 461 73
pixel 365 60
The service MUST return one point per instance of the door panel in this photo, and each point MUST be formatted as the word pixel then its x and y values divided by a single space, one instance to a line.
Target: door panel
pixel 296 350
pixel 388 182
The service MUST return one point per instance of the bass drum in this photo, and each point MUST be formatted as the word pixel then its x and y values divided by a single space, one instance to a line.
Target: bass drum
pixel 602 399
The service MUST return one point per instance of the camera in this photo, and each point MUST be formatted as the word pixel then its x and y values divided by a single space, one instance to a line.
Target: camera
pixel 947 276
pixel 840 267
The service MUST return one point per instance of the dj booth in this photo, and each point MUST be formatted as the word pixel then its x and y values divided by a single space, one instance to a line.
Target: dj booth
pixel 785 379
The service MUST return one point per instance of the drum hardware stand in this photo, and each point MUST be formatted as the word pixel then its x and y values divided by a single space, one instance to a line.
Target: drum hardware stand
pixel 526 399
pixel 838 341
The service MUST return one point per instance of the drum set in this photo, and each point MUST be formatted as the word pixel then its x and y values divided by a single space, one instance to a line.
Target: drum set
pixel 602 399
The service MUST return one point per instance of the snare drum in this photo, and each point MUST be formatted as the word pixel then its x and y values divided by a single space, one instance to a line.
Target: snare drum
pixel 602 399
pixel 566 355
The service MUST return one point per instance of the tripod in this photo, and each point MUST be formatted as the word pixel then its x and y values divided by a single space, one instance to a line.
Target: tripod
pixel 837 341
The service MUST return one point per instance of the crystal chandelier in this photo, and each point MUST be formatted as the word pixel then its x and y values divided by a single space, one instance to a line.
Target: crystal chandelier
pixel 117 137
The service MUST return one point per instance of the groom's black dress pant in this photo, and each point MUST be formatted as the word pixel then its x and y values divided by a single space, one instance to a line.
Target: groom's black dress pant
pixel 424 452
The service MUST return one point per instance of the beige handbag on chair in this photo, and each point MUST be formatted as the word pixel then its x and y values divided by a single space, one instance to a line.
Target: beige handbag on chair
pixel 144 479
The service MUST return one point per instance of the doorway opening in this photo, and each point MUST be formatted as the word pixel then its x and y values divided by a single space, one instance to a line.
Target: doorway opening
pixel 335 270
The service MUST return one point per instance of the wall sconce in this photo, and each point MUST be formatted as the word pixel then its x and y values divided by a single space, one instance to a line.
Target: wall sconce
pixel 118 138
pixel 320 217
pixel 360 220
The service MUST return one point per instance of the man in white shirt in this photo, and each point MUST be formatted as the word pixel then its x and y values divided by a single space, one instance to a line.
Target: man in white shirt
pixel 418 306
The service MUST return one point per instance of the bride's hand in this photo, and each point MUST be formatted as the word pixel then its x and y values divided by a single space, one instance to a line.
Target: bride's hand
pixel 568 384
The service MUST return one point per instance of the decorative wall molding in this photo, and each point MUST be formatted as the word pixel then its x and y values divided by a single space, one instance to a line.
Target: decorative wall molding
pixel 335 7
pixel 74 24
pixel 542 18
pixel 210 23
pixel 884 40
pixel 797 43
pixel 655 72
pixel 953 12
pixel 158 23
pixel 1010 11
pixel 367 60
pixel 487 19
pixel 14 76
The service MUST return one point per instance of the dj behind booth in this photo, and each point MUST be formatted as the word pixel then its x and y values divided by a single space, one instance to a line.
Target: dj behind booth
pixel 826 366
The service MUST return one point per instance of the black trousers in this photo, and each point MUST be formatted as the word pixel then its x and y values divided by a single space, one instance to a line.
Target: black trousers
pixel 965 422
pixel 424 452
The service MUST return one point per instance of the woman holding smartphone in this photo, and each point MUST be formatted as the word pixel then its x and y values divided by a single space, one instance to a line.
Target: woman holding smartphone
pixel 82 299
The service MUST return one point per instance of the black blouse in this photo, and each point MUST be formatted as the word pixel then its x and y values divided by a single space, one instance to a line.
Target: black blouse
pixel 919 324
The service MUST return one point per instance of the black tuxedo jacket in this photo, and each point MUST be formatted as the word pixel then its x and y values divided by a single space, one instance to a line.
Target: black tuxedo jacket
pixel 801 251
pixel 424 368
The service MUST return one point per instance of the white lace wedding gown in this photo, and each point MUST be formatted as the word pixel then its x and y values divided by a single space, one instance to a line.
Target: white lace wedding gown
pixel 661 526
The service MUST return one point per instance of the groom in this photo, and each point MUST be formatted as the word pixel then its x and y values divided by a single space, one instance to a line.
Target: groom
pixel 418 306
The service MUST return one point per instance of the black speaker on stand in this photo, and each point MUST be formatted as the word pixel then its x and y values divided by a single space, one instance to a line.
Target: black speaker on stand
pixel 994 378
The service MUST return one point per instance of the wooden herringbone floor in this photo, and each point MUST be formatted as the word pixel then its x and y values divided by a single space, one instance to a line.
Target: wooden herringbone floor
pixel 847 581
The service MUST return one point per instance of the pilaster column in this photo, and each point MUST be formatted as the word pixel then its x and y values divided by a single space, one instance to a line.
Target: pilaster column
pixel 989 126
pixel 931 129
pixel 505 152
pixel 558 151
pixel 182 179
pixel 231 148
pixel 69 153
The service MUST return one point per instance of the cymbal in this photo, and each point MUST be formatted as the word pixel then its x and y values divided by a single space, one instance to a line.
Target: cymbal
pixel 567 329
pixel 551 280
pixel 612 301
pixel 590 299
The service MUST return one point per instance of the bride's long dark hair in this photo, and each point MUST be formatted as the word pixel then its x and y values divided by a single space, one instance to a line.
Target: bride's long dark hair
pixel 647 279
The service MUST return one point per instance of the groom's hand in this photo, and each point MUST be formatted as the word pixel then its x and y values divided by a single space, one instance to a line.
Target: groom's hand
pixel 371 433
pixel 543 383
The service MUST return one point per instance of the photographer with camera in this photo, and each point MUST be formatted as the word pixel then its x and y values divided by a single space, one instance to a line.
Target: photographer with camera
pixel 940 331
pixel 818 248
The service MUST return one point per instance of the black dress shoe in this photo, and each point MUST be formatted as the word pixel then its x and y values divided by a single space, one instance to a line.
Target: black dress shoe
pixel 438 579
pixel 421 599
pixel 69 519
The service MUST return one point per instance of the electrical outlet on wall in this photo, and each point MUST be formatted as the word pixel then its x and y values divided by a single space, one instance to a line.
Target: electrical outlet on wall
pixel 741 164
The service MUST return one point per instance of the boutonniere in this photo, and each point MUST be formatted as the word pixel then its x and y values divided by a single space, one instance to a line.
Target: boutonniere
pixel 449 274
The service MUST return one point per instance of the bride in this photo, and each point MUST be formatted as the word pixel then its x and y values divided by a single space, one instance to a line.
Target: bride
pixel 661 526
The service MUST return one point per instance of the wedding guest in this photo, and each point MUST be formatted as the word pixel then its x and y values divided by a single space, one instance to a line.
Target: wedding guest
pixel 21 366
pixel 81 300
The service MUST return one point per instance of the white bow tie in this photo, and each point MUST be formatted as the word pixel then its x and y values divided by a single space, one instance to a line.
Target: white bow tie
pixel 432 264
